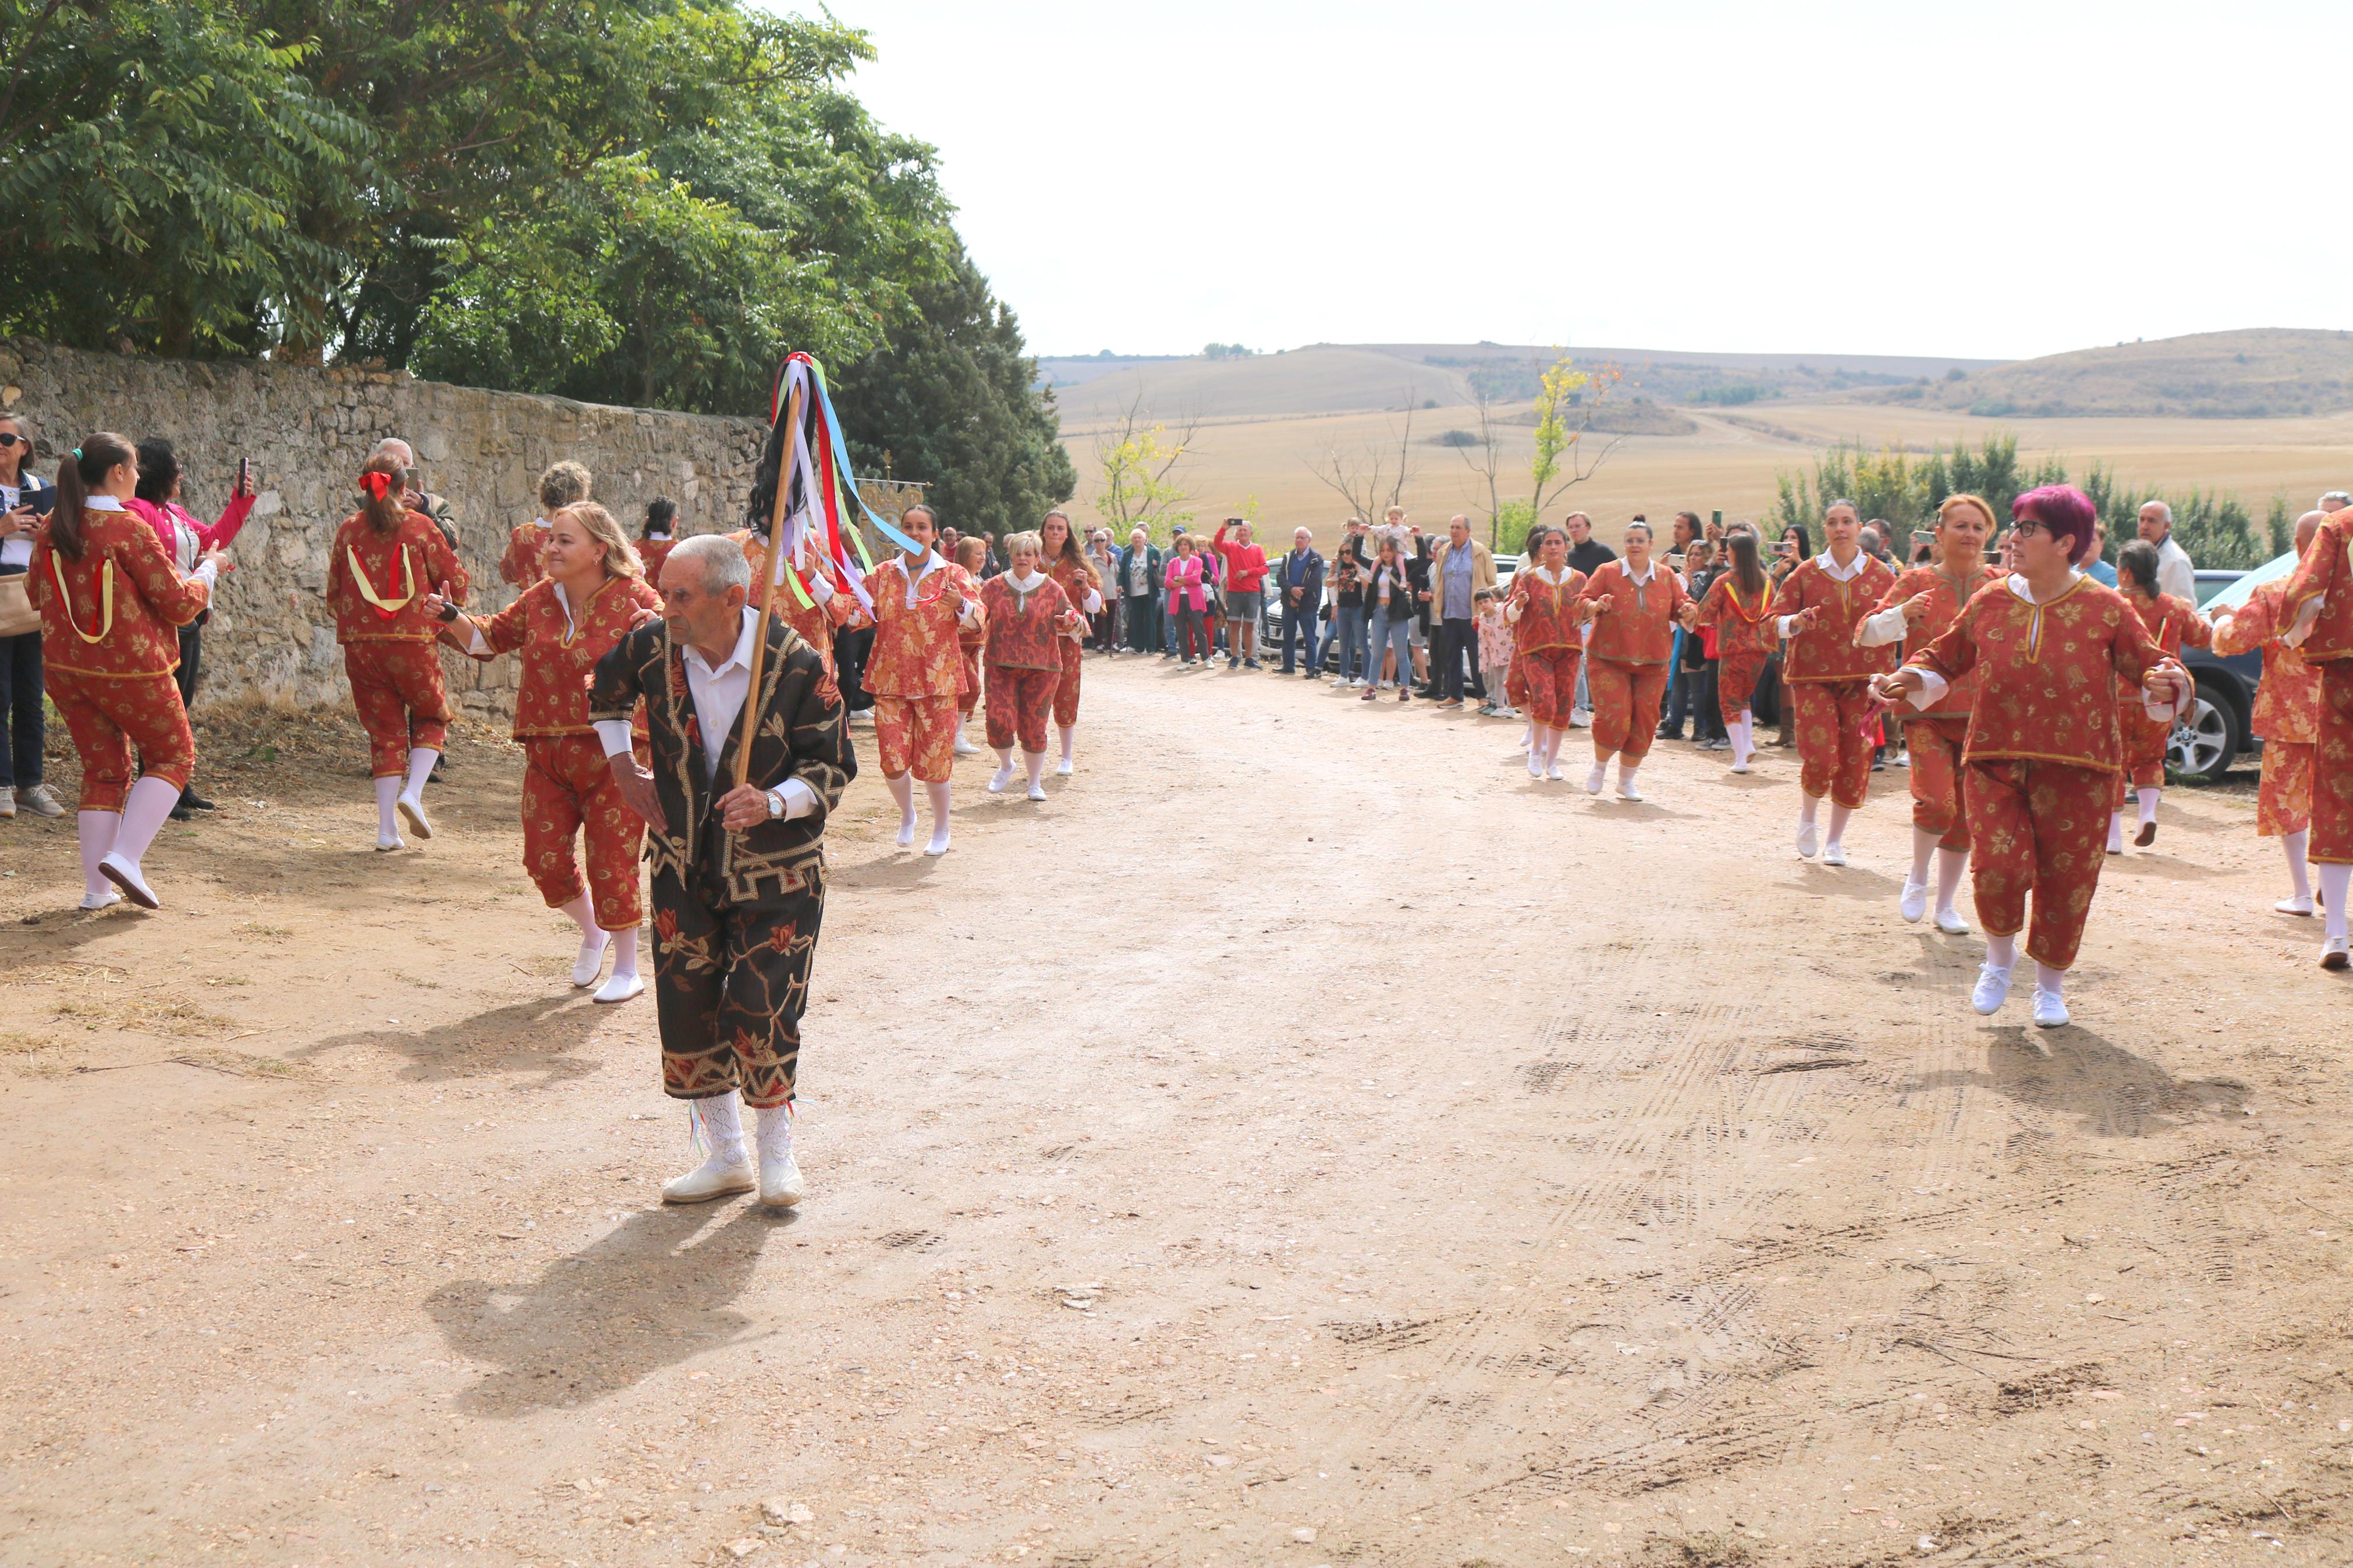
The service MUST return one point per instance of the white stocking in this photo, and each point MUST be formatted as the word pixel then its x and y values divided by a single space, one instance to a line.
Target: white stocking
pixel 1069 736
pixel 1950 864
pixel 1033 763
pixel 1923 846
pixel 775 1132
pixel 2115 833
pixel 939 795
pixel 2046 978
pixel 97 830
pixel 624 952
pixel 1839 814
pixel 584 915
pixel 2299 872
pixel 2149 803
pixel 143 816
pixel 420 768
pixel 902 790
pixel 387 790
pixel 2002 951
pixel 1806 811
pixel 718 1122
pixel 2334 882
pixel 1744 737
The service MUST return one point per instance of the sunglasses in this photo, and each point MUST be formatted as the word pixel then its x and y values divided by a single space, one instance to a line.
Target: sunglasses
pixel 8 439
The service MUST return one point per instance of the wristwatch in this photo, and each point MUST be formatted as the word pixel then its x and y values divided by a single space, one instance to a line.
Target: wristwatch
pixel 775 803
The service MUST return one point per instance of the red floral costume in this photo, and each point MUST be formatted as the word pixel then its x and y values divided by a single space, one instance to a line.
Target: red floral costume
pixel 799 608
pixel 2170 623
pixel 525 561
pixel 1076 581
pixel 1626 659
pixel 1023 658
pixel 970 640
pixel 1548 644
pixel 110 642
pixel 1829 679
pixel 653 553
pixel 567 785
pixel 1744 635
pixel 2326 572
pixel 2043 751
pixel 2287 710
pixel 376 585
pixel 1937 737
pixel 915 670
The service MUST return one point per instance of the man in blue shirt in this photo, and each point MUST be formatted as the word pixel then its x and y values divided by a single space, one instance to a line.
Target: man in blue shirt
pixel 1299 579
pixel 2095 562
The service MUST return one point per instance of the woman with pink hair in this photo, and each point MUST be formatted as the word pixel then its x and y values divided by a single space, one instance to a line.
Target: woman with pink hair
pixel 2051 648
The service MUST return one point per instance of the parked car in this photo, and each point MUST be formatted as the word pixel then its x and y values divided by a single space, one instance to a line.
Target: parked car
pixel 2219 727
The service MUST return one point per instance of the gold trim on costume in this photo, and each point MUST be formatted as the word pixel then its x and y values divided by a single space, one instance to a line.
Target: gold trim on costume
pixel 387 608
pixel 105 599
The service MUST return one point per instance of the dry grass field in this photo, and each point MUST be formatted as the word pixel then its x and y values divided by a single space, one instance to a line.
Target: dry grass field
pixel 1265 424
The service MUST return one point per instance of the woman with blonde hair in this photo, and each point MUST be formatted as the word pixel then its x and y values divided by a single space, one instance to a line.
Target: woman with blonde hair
pixel 525 562
pixel 1030 620
pixel 385 558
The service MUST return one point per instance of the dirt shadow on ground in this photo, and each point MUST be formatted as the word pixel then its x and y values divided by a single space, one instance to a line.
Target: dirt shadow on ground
pixel 2157 865
pixel 646 1297
pixel 895 871
pixel 1844 881
pixel 2113 1092
pixel 541 1035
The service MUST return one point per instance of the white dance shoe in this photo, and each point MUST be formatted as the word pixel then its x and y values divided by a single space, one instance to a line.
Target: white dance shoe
pixel 965 748
pixel 716 1177
pixel 2335 953
pixel 590 962
pixel 1914 902
pixel 1951 924
pixel 1036 789
pixel 2049 1009
pixel 907 829
pixel 939 844
pixel 105 900
pixel 1597 778
pixel 1993 990
pixel 999 779
pixel 1536 766
pixel 126 876
pixel 1740 767
pixel 1626 791
pixel 1550 773
pixel 2293 907
pixel 619 988
pixel 385 843
pixel 1808 840
pixel 780 1182
pixel 1064 768
pixel 1833 853
pixel 412 812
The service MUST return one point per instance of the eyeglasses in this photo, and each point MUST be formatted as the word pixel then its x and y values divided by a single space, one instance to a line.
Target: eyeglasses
pixel 8 439
pixel 2027 526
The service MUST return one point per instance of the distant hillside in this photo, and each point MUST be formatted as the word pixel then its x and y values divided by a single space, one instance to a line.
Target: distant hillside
pixel 2264 372
pixel 1325 379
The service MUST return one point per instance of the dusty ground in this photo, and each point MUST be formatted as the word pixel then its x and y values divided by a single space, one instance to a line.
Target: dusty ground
pixel 1302 1123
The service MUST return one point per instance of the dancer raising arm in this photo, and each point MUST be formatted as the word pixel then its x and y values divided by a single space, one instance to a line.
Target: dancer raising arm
pixel 112 604
pixel 914 671
pixel 384 561
pixel 2287 717
pixel 2170 623
pixel 593 592
pixel 1827 677
pixel 1029 616
pixel 1915 611
pixel 2040 765
pixel 2319 607
pixel 1547 613
pixel 1635 605
pixel 1066 564
pixel 1739 605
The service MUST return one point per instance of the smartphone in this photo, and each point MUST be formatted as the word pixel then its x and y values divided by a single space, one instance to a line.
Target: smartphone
pixel 40 500
pixel 244 476
pixel 1717 517
pixel 1922 536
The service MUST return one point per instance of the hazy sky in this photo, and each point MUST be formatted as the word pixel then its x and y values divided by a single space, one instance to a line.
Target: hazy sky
pixel 1974 179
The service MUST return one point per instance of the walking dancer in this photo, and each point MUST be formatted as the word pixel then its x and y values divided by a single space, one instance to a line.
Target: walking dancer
pixel 1827 677
pixel 1029 619
pixel 1739 605
pixel 738 868
pixel 2170 623
pixel 1915 611
pixel 2038 773
pixel 1066 564
pixel 1547 613
pixel 592 592
pixel 2287 717
pixel 112 604
pixel 2319 607
pixel 384 561
pixel 971 554
pixel 914 671
pixel 1635 607
pixel 525 561
pixel 810 602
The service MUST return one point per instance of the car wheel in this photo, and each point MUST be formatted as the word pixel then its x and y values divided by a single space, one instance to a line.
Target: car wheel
pixel 2205 740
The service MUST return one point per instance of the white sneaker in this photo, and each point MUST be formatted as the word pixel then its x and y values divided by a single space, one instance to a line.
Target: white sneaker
pixel 105 900
pixel 1553 774
pixel 1037 789
pixel 714 1178
pixel 1062 769
pixel 965 748
pixel 1951 924
pixel 619 988
pixel 2293 906
pixel 997 783
pixel 1628 792
pixel 780 1182
pixel 2335 954
pixel 412 812
pixel 1808 840
pixel 1581 718
pixel 590 962
pixel 2049 1009
pixel 385 843
pixel 126 876
pixel 1597 778
pixel 37 799
pixel 1992 989
pixel 1833 853
pixel 1912 902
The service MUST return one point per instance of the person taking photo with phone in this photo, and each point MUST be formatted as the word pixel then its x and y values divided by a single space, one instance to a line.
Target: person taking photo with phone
pixel 158 504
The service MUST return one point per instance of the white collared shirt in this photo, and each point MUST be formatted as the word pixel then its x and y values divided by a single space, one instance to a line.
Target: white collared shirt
pixel 1836 573
pixel 718 695
pixel 1649 570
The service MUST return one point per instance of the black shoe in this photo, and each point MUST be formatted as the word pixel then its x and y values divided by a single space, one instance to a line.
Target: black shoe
pixel 435 776
pixel 195 802
pixel 1667 734
pixel 180 813
pixel 1251 664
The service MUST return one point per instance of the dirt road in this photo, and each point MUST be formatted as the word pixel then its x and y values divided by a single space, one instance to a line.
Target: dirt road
pixel 1304 1141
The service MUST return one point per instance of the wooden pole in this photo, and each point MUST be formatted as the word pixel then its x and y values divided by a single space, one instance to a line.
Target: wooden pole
pixel 785 470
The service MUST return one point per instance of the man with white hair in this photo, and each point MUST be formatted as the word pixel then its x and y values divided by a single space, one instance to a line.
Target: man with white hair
pixel 738 872
pixel 437 508
pixel 2335 501
pixel 2175 572
pixel 1299 580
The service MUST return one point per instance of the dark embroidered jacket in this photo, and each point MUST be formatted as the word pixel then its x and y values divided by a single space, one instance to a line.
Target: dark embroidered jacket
pixel 800 735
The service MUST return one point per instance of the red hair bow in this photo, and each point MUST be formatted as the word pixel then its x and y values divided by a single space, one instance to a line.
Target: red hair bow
pixel 377 484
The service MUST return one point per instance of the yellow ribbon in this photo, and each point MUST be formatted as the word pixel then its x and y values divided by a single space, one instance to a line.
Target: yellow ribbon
pixel 385 607
pixel 105 599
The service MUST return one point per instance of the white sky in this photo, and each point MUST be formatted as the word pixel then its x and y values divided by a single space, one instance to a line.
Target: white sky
pixel 1986 179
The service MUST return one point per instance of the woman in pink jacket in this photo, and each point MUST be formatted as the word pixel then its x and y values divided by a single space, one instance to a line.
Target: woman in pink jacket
pixel 185 540
pixel 1187 601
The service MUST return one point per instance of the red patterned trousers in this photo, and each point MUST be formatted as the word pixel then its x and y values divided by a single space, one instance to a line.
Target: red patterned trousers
pixel 2283 799
pixel 1066 691
pixel 108 715
pixel 1935 745
pixel 568 791
pixel 1018 702
pixel 2038 828
pixel 1735 682
pixel 1626 699
pixel 402 700
pixel 2145 741
pixel 917 735
pixel 1833 757
pixel 968 694
pixel 1549 675
pixel 2332 767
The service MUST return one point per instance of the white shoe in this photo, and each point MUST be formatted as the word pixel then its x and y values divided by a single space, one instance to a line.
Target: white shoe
pixel 126 876
pixel 1914 902
pixel 1951 924
pixel 2293 906
pixel 780 1182
pixel 1581 718
pixel 1597 778
pixel 2049 1009
pixel 997 783
pixel 2335 954
pixel 1062 769
pixel 1628 792
pixel 412 812
pixel 1992 989
pixel 1740 767
pixel 1536 766
pixel 7 801
pixel 619 988
pixel 37 799
pixel 2115 836
pixel 1553 774
pixel 1808 840
pixel 714 1178
pixel 939 844
pixel 1833 854
pixel 907 829
pixel 105 900
pixel 590 962
pixel 1036 789
pixel 385 843
pixel 965 748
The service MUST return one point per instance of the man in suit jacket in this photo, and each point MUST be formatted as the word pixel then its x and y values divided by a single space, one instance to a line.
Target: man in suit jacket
pixel 1139 584
pixel 1461 572
pixel 1297 585
pixel 738 873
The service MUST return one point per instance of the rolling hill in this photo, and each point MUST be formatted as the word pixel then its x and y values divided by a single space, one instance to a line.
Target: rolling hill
pixel 2259 374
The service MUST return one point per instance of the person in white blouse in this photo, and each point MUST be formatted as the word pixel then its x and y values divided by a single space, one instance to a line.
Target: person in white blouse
pixel 2175 574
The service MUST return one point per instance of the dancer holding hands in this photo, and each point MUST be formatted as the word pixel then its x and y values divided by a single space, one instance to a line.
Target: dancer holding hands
pixel 1030 617
pixel 1635 606
pixel 1827 674
pixel 2287 717
pixel 2318 605
pixel 1739 605
pixel 913 672
pixel 1066 564
pixel 1547 613
pixel 2170 624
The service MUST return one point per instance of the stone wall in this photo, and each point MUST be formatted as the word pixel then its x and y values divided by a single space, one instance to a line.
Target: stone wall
pixel 308 430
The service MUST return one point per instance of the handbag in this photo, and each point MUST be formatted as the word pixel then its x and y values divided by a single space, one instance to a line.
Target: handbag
pixel 18 616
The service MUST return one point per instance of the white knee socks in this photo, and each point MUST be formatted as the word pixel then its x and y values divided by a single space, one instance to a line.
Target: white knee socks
pixel 2115 833
pixel 1598 777
pixel 591 957
pixel 1839 814
pixel 2335 881
pixel 1034 764
pixel 2002 951
pixel 1950 864
pixel 2047 979
pixel 939 795
pixel 387 825
pixel 902 790
pixel 774 1132
pixel 143 816
pixel 1743 735
pixel 625 953
pixel 1807 807
pixel 718 1121
pixel 420 768
pixel 1923 846
pixel 2149 803
pixel 2299 872
pixel 97 830
pixel 1069 738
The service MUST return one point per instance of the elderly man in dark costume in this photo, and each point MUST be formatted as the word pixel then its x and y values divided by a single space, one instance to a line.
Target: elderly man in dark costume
pixel 738 873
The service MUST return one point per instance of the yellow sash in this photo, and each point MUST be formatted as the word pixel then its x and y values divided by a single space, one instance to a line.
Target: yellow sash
pixel 105 599
pixel 387 608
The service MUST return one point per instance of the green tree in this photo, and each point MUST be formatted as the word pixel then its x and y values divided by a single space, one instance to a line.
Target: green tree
pixel 1135 463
